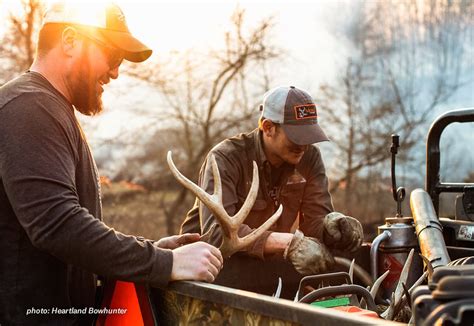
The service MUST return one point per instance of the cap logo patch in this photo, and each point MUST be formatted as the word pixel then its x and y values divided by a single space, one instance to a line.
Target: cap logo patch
pixel 120 15
pixel 307 111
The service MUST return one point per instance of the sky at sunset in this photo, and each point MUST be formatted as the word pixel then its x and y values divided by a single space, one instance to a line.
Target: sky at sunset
pixel 302 29
pixel 306 30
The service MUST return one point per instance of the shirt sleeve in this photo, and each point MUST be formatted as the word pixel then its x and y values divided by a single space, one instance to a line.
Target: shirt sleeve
pixel 316 203
pixel 229 178
pixel 38 156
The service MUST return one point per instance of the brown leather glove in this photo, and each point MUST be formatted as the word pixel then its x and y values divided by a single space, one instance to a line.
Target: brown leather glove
pixel 342 232
pixel 308 255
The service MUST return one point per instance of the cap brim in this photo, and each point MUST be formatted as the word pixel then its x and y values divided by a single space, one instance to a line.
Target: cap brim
pixel 304 134
pixel 135 51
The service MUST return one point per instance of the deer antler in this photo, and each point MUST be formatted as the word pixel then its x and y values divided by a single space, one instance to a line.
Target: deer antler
pixel 377 283
pixel 231 242
pixel 397 295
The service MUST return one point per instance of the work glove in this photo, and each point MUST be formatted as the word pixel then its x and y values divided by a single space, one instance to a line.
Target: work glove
pixel 343 233
pixel 308 255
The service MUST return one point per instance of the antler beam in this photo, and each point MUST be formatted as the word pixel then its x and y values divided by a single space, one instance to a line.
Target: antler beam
pixel 231 242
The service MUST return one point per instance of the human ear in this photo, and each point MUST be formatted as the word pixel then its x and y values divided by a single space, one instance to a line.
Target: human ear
pixel 268 128
pixel 69 41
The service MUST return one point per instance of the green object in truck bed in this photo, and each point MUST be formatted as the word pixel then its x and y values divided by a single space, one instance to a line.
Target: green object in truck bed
pixel 336 302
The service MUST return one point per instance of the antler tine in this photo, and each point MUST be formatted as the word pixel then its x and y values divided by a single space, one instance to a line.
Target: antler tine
pixel 278 290
pixel 213 202
pixel 217 180
pixel 351 271
pixel 250 200
pixel 249 238
pixel 429 266
pixel 377 283
pixel 398 294
pixel 388 314
pixel 404 276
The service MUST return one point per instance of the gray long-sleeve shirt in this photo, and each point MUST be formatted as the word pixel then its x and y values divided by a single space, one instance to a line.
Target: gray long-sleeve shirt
pixel 52 239
pixel 302 189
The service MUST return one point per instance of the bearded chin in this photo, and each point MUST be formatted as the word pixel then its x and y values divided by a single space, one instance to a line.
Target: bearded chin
pixel 87 100
pixel 90 109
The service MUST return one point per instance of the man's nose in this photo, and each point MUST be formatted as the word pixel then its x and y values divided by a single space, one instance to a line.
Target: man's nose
pixel 114 72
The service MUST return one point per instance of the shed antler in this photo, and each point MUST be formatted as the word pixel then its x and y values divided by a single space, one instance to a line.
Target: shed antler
pixel 231 243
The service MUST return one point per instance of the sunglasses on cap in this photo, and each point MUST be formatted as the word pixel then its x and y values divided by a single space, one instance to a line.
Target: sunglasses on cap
pixel 114 56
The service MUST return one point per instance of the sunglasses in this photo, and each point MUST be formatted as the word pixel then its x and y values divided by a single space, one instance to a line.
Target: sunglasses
pixel 114 56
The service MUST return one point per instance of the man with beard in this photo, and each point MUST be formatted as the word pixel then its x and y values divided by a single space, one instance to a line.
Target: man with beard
pixel 292 174
pixel 52 238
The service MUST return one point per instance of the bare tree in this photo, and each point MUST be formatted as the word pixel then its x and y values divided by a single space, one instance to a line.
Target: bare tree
pixel 406 59
pixel 18 43
pixel 207 97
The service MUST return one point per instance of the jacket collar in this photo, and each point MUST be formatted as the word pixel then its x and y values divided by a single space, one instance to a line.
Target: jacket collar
pixel 259 152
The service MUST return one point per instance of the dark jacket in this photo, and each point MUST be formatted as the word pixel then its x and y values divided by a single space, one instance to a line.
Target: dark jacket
pixel 301 189
pixel 52 240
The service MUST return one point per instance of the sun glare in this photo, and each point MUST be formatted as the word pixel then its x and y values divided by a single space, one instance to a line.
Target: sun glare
pixel 177 25
pixel 165 25
pixel 88 13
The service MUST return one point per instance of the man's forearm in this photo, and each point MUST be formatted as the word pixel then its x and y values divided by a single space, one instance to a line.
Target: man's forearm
pixel 277 242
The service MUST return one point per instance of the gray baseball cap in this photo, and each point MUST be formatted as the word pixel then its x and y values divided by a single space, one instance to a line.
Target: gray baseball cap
pixel 103 21
pixel 295 110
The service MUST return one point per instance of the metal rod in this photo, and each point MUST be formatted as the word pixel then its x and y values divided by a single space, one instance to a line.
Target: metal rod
pixel 394 151
pixel 398 193
pixel 385 235
pixel 433 156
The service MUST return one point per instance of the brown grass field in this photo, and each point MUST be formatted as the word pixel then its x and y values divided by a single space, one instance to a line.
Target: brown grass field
pixel 134 210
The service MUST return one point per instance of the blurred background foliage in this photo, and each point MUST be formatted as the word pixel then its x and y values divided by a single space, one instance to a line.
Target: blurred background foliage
pixel 406 62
